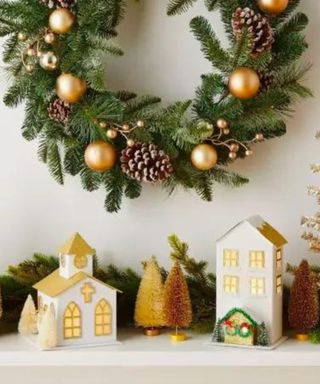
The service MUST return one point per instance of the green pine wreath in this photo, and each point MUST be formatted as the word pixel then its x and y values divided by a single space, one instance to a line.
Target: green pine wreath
pixel 130 139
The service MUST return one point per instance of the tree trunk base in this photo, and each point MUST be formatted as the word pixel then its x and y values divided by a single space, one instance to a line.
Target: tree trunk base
pixel 151 331
pixel 178 337
pixel 302 336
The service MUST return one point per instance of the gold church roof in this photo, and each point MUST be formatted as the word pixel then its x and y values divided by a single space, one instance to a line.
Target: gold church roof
pixel 77 246
pixel 54 285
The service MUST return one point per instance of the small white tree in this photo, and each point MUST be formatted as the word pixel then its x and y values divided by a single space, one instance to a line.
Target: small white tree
pixel 28 319
pixel 48 329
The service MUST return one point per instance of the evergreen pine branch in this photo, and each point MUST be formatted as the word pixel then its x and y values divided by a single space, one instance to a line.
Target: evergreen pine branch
pixel 178 6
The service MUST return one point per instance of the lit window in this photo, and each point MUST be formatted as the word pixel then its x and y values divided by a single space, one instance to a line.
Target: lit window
pixel 231 284
pixel 256 259
pixel 72 322
pixel 279 259
pixel 279 284
pixel 230 258
pixel 80 261
pixel 257 286
pixel 103 318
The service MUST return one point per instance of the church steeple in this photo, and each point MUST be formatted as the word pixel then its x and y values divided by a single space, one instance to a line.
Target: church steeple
pixel 75 256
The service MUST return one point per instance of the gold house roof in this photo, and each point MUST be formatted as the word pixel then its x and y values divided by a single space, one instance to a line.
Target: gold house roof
pixel 77 246
pixel 264 228
pixel 54 285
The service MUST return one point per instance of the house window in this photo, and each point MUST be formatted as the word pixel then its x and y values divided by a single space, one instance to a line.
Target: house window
pixel 230 258
pixel 80 261
pixel 279 258
pixel 103 318
pixel 257 259
pixel 231 284
pixel 72 322
pixel 257 286
pixel 279 285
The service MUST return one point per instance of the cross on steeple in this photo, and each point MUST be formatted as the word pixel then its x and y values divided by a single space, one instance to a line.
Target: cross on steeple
pixel 88 290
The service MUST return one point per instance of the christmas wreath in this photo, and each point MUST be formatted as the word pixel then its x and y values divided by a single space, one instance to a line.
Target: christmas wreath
pixel 54 53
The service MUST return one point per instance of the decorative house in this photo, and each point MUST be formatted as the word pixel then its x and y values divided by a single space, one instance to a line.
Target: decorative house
pixel 85 308
pixel 249 284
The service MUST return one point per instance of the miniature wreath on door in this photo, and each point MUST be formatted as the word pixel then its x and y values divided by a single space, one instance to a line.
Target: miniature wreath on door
pixel 55 52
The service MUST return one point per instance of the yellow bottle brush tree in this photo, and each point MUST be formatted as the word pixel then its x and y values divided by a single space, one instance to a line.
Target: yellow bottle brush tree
pixel 177 303
pixel 150 300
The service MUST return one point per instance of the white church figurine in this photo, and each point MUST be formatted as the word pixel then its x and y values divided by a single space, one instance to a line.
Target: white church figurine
pixel 249 267
pixel 85 308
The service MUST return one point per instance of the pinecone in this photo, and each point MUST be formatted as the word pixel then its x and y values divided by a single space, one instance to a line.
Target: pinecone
pixel 59 111
pixel 49 3
pixel 266 80
pixel 65 3
pixel 145 162
pixel 257 25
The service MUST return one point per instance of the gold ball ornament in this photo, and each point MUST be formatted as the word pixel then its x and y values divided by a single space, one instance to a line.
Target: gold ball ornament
pixel 274 7
pixel 222 124
pixel 61 21
pixel 22 36
pixel 31 52
pixel 232 155
pixel 100 156
pixel 259 136
pixel 244 83
pixel 234 147
pixel 130 143
pixel 29 68
pixel 226 131
pixel 204 157
pixel 249 152
pixel 70 88
pixel 50 38
pixel 140 124
pixel 126 127
pixel 49 61
pixel 103 124
pixel 112 134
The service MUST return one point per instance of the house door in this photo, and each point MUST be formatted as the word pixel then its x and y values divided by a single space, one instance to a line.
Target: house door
pixel 72 327
pixel 103 318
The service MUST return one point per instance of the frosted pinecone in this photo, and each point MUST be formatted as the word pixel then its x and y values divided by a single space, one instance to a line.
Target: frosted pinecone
pixel 145 162
pixel 266 80
pixel 59 111
pixel 257 25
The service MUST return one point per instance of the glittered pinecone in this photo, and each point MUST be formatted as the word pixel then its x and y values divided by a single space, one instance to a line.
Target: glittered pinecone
pixel 257 25
pixel 266 80
pixel 49 3
pixel 59 111
pixel 65 3
pixel 145 162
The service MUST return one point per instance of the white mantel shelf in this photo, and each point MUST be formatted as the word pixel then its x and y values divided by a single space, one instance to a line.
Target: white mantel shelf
pixel 137 350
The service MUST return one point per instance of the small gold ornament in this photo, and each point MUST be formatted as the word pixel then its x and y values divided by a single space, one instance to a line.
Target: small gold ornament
pixel 39 54
pixel 130 143
pixel 100 156
pixel 222 124
pixel 244 83
pixel 70 88
pixel 22 36
pixel 140 124
pixel 31 52
pixel 226 131
pixel 204 157
pixel 61 21
pixel 126 127
pixel 274 7
pixel 103 124
pixel 49 61
pixel 112 134
pixel 234 147
pixel 29 68
pixel 249 152
pixel 232 155
pixel 259 136
pixel 50 38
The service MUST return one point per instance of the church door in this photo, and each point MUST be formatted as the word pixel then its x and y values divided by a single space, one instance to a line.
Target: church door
pixel 103 318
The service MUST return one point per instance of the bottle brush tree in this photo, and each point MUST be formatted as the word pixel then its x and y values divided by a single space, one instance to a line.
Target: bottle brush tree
pixel 150 298
pixel 47 337
pixel 304 302
pixel 263 336
pixel 177 303
pixel 28 320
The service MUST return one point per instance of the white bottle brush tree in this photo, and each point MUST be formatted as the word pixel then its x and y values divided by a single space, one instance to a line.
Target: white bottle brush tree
pixel 47 337
pixel 28 319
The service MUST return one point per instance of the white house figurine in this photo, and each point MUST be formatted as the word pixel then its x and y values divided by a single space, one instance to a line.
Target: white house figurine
pixel 249 267
pixel 84 308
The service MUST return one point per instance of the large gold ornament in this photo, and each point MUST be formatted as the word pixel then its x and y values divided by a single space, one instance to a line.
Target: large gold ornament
pixel 204 157
pixel 244 83
pixel 100 156
pixel 61 21
pixel 70 88
pixel 274 7
pixel 48 61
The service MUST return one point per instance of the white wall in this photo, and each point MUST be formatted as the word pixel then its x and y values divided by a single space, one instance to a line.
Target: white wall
pixel 162 59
